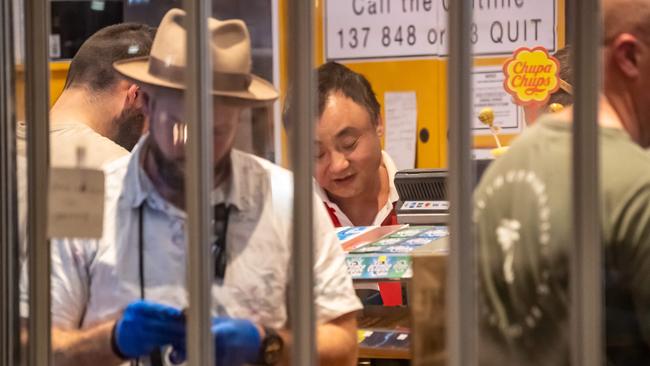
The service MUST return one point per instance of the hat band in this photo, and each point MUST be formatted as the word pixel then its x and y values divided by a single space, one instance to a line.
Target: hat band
pixel 220 81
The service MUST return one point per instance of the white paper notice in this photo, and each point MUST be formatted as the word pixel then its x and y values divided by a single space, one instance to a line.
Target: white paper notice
pixel 401 125
pixel 76 203
pixel 487 87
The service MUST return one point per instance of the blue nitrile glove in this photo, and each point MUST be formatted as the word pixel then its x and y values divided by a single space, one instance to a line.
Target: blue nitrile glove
pixel 145 326
pixel 237 342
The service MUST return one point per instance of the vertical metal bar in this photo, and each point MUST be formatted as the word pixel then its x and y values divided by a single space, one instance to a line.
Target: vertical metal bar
pixel 302 75
pixel 9 254
pixel 37 97
pixel 198 109
pixel 461 318
pixel 278 150
pixel 586 255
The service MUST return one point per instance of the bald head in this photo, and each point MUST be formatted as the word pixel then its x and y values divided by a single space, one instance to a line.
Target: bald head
pixel 626 16
pixel 627 65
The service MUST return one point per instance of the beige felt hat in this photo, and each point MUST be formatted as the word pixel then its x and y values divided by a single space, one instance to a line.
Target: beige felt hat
pixel 229 47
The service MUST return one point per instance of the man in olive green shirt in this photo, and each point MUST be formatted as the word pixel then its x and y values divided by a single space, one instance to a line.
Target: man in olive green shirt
pixel 523 218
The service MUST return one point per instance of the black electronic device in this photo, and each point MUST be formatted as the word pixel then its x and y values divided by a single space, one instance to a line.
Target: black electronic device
pixel 423 196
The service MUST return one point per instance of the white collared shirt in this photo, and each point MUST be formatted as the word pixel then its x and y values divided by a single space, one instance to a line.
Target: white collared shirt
pixel 383 213
pixel 93 280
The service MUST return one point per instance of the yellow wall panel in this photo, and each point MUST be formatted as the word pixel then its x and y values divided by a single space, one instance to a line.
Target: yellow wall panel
pixel 421 76
pixel 58 74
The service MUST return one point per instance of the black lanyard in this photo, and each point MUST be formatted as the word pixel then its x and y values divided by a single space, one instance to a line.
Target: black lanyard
pixel 155 356
pixel 220 226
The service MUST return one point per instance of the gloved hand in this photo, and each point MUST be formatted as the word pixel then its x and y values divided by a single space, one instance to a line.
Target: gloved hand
pixel 145 326
pixel 237 342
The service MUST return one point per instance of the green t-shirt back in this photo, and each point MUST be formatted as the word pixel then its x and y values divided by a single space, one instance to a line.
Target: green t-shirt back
pixel 523 228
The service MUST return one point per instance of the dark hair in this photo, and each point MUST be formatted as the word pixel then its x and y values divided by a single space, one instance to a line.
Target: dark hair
pixel 562 96
pixel 92 65
pixel 334 77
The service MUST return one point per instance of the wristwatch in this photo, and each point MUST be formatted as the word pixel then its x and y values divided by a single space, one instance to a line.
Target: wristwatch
pixel 272 346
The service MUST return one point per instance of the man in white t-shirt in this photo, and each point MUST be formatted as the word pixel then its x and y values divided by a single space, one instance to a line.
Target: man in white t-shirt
pixel 355 177
pixel 119 299
pixel 98 117
pixel 98 110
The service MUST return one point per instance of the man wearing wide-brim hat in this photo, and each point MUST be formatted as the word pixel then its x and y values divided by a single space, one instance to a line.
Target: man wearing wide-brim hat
pixel 119 299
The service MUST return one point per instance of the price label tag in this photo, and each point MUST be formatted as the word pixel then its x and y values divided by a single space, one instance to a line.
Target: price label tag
pixel 55 46
pixel 76 203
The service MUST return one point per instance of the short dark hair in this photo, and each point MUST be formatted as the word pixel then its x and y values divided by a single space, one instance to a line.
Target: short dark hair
pixel 561 96
pixel 92 65
pixel 334 77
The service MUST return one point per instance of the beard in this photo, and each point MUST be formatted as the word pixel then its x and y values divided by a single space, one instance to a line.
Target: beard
pixel 129 125
pixel 172 171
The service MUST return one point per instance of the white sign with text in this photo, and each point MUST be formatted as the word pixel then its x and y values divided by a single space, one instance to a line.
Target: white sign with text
pixel 488 91
pixel 365 29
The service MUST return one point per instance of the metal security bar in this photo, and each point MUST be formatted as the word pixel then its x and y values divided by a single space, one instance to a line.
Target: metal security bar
pixel 461 317
pixel 198 109
pixel 586 255
pixel 9 331
pixel 301 75
pixel 37 97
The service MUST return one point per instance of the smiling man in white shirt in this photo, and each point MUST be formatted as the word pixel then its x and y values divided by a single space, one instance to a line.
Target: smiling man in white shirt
pixel 355 177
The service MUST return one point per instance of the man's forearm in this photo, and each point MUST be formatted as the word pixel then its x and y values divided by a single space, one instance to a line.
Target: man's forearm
pixel 84 347
pixel 336 342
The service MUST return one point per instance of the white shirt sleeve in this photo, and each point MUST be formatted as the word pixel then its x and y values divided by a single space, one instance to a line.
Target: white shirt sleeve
pixel 70 281
pixel 334 293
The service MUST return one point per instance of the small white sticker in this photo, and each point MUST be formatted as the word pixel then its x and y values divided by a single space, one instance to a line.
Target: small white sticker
pixel 98 5
pixel 55 46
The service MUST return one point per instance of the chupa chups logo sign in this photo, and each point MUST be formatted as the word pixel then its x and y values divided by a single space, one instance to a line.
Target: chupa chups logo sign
pixel 532 75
